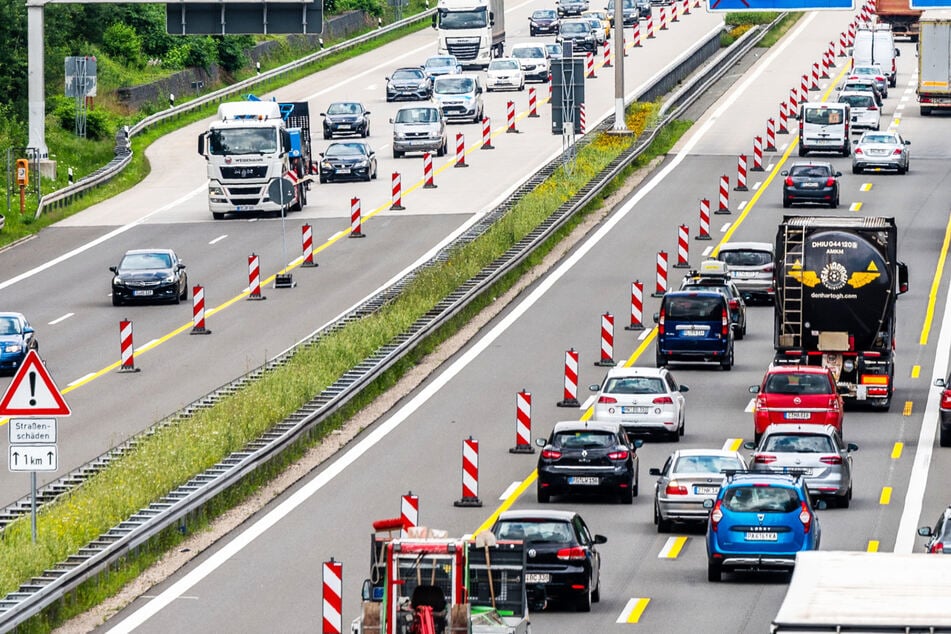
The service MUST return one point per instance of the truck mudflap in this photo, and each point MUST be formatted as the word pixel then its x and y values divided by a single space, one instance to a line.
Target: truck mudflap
pixel 866 377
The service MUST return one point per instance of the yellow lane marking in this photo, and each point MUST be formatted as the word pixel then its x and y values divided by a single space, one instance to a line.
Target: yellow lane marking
pixel 915 371
pixel 733 444
pixel 866 187
pixel 897 449
pixel 504 506
pixel 855 207
pixel 936 280
pixel 872 546
pixel 672 548
pixel 886 496
pixel 906 411
pixel 633 610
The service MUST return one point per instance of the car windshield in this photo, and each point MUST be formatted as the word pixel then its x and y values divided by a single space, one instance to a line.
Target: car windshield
pixel 761 499
pixel 860 86
pixel 635 385
pixel 145 261
pixel 701 308
pixel 572 28
pixel 585 439
pixel 417 115
pixel 798 443
pixel 823 116
pixel 408 74
pixel 880 138
pixel 9 326
pixel 503 64
pixel 439 62
pixel 345 149
pixel 810 171
pixel 545 14
pixel 344 108
pixel 706 464
pixel 454 86
pixel 746 258
pixel 541 530
pixel 528 52
pixel 469 19
pixel 595 23
pixel 866 70
pixel 788 383
pixel 857 101
pixel 553 49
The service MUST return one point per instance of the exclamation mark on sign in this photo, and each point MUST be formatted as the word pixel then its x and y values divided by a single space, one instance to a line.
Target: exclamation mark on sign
pixel 32 388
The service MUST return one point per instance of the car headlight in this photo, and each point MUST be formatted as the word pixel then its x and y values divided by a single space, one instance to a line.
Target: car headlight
pixel 399 135
pixel 168 279
pixel 363 163
pixel 12 347
pixel 326 165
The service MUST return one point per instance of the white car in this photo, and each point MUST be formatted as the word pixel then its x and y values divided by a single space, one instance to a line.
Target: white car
pixel 534 60
pixel 865 112
pixel 504 73
pixel 642 400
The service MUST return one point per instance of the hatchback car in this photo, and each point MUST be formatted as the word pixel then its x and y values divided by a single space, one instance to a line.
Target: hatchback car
pixel 751 268
pixel 344 161
pixel 17 338
pixel 604 19
pixel 694 326
pixel 722 283
pixel 419 129
pixel 543 21
pixel 597 29
pixel 881 150
pixel 504 73
pixel 534 61
pixel 688 477
pixel 346 117
pixel 939 536
pixel 944 421
pixel 149 274
pixel 571 7
pixel 642 400
pixel 588 457
pixel 759 521
pixel 814 451
pixel 409 83
pixel 865 112
pixel 864 85
pixel 562 560
pixel 796 394
pixel 632 11
pixel 578 32
pixel 811 183
pixel 438 65
pixel 873 72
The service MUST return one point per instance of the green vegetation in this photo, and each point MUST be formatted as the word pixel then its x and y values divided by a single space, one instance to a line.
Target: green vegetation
pixel 741 22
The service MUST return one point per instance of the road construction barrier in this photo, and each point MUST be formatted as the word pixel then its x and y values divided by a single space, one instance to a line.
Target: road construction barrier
pixel 650 26
pixel 683 247
pixel 460 150
pixel 686 8
pixel 851 33
pixel 589 64
pixel 674 8
pixel 607 54
pixel 126 349
pixel 510 116
pixel 356 219
pixel 607 341
pixel 724 206
pixel 757 154
pixel 523 423
pixel 783 119
pixel 532 104
pixel 307 245
pixel 254 277
pixel 470 474
pixel 804 89
pixel 637 306
pixel 704 233
pixel 843 37
pixel 487 134
pixel 741 174
pixel 793 103
pixel 428 177
pixel 660 287
pixel 198 311
pixel 332 621
pixel 397 193
pixel 826 63
pixel 814 77
pixel 582 123
pixel 663 18
pixel 636 37
pixel 409 513
pixel 571 380
pixel 770 135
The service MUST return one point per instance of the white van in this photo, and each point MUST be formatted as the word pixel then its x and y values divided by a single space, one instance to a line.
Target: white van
pixel 876 46
pixel 825 127
pixel 459 96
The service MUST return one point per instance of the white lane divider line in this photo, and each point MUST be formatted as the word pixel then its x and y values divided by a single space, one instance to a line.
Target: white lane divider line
pixel 588 402
pixel 82 379
pixel 725 227
pixel 707 251
pixel 750 405
pixel 756 185
pixel 218 239
pixel 855 207
pixel 59 319
pixel 633 610
pixel 147 345
pixel 732 444
pixel 336 235
pixel 743 205
pixel 644 334
pixel 672 547
pixel 510 490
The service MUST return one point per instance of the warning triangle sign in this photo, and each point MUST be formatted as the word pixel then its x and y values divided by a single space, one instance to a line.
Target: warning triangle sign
pixel 32 392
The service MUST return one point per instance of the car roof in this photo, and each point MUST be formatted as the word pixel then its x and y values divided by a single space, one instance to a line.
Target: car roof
pixel 799 428
pixel 415 69
pixel 746 246
pixel 580 425
pixel 527 45
pixel 636 371
pixel 553 514
pixel 693 294
pixel 762 477
pixel 138 251
pixel 12 314
pixel 854 93
pixel 811 164
pixel 796 368
pixel 726 453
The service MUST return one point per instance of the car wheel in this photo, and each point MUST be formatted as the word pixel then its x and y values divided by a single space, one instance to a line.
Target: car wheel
pixel 184 295
pixel 945 437
pixel 544 497
pixel 802 150
pixel 366 132
pixel 218 215
pixel 727 363
pixel 626 496
pixel 902 170
pixel 396 154
pixel 856 169
pixel 714 571
pixel 660 360
pixel 663 525
pixel 740 333
pixel 674 436
pixel 596 593
pixel 327 135
pixel 845 500
pixel 376 172
pixel 635 490
pixel 583 602
pixel 835 202
pixel 683 427
pixel 786 203
pixel 116 301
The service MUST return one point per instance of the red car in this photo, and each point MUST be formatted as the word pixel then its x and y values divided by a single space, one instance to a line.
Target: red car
pixel 796 394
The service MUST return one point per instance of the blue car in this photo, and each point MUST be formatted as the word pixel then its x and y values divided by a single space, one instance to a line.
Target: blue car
pixel 759 521
pixel 16 339
pixel 694 326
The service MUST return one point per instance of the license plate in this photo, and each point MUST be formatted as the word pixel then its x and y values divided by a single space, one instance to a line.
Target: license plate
pixel 693 333
pixel 810 185
pixel 797 415
pixel 745 274
pixel 584 480
pixel 534 577
pixel 633 409
pixel 803 471
pixel 344 126
pixel 141 293
pixel 761 537
pixel 343 170
pixel 698 490
pixel 854 119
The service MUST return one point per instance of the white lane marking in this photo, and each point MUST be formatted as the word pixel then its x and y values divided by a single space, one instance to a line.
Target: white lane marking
pixel 742 205
pixel 336 235
pixel 724 228
pixel 855 206
pixel 147 345
pixel 668 546
pixel 707 251
pixel 378 433
pixel 757 185
pixel 769 166
pixel 900 106
pixel 904 98
pixel 644 334
pixel 510 490
pixel 749 406
pixel 59 319
pixel 218 239
pixel 81 379
pixel 100 239
pixel 588 402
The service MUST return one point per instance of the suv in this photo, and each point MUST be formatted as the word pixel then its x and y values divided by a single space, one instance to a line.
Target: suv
pixel 865 112
pixel 940 535
pixel 578 32
pixel 796 394
pixel 714 275
pixel 534 60
pixel 642 400
pixel 816 451
pixel 694 326
pixel 632 11
pixel 459 96
pixel 751 268
pixel 759 521
pixel 419 129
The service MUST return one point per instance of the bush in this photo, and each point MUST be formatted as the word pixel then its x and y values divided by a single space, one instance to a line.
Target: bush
pixel 99 123
pixel 122 42
pixel 376 8
pixel 202 52
pixel 231 51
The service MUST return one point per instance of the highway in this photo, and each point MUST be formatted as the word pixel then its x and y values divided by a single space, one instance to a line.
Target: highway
pixel 266 576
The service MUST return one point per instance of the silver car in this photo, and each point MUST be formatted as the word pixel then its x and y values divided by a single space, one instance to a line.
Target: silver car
pixel 751 267
pixel 885 150
pixel 689 477
pixel 642 400
pixel 873 72
pixel 419 129
pixel 815 451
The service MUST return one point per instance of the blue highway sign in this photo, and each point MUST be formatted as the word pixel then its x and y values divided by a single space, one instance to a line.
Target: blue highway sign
pixel 724 6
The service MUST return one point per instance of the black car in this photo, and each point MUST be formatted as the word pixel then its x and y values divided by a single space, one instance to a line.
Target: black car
pixel 633 11
pixel 578 32
pixel 350 160
pixel 410 83
pixel 346 117
pixel 147 275
pixel 939 536
pixel 588 457
pixel 543 21
pixel 944 438
pixel 17 338
pixel 562 559
pixel 811 183
pixel 571 7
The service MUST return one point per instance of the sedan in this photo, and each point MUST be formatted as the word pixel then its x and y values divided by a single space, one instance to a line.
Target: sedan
pixel 865 113
pixel 17 338
pixel 587 457
pixel 149 274
pixel 883 150
pixel 571 7
pixel 811 183
pixel 543 21
pixel 562 562
pixel 442 65
pixel 642 400
pixel 347 161
pixel 346 117
pixel 504 73
pixel 939 536
pixel 689 477
pixel 411 83
pixel 578 32
pixel 864 85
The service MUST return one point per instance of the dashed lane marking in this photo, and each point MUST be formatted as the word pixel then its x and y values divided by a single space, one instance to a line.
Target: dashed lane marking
pixel 707 251
pixel 855 207
pixel 915 371
pixel 749 406
pixel 512 488
pixel 732 444
pixel 872 546
pixel 886 496
pixel 59 319
pixel 633 610
pixel 672 548
pixel 725 227
pixel 906 411
pixel 866 187
pixel 897 449
pixel 218 239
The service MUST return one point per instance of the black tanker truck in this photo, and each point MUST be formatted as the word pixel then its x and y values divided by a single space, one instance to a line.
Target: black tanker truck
pixel 837 280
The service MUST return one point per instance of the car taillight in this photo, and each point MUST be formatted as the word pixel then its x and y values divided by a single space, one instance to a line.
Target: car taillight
pixel 936 547
pixel 831 459
pixel 675 488
pixel 834 404
pixel 618 455
pixel 768 268
pixel 607 399
pixel 663 400
pixel 660 322
pixel 805 516
pixel 789 182
pixel 873 108
pixel 830 181
pixel 734 304
pixel 878 78
pixel 763 458
pixel 575 553
pixel 715 516
pixel 897 151
pixel 946 399
pixel 858 150
pixel 551 454
pixel 724 323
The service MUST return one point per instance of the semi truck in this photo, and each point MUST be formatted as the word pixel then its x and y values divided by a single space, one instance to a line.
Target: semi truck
pixel 837 283
pixel 934 62
pixel 247 147
pixel 472 30
pixel 428 583
pixel 839 591
pixel 903 20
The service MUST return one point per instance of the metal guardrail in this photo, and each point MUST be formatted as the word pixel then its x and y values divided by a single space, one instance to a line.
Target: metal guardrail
pixel 123 156
pixel 34 596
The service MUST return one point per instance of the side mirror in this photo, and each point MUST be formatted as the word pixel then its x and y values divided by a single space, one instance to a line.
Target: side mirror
pixel 654 471
pixel 684 388
pixel 925 531
pixel 28 330
pixel 321 155
pixel 754 389
pixel 749 444
pixel 638 443
pixel 784 173
pixel 708 504
pixel 367 590
pixel 594 387
pixel 897 53
pixel 367 113
pixel 851 447
pixel 181 266
pixel 391 120
pixel 902 278
pixel 907 142
pixel 323 114
pixel 386 79
pixel 600 539
pixel 541 442
pixel 114 269
pixel 940 383
pixel 838 174
pixel 656 317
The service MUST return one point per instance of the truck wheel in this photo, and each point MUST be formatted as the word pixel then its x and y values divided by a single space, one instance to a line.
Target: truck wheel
pixel 217 215
pixel 714 571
